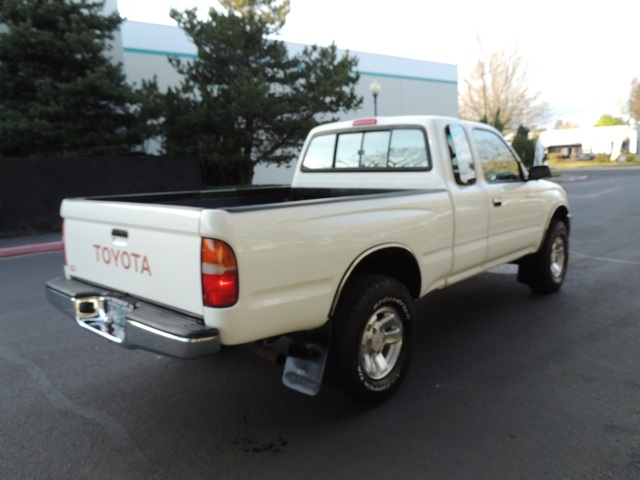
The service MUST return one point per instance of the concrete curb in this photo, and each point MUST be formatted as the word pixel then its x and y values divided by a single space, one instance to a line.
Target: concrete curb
pixel 26 249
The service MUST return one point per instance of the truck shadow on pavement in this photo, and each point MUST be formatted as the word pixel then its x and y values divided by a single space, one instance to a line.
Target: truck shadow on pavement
pixel 235 404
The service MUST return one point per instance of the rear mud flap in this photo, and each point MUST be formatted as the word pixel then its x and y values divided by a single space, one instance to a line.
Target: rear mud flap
pixel 306 360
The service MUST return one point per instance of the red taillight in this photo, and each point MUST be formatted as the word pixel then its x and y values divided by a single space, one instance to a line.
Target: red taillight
pixel 219 274
pixel 364 121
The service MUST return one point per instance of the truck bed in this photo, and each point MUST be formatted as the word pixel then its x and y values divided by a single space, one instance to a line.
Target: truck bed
pixel 250 198
pixel 163 232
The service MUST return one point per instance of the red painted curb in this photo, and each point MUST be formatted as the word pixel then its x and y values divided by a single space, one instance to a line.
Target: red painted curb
pixel 42 247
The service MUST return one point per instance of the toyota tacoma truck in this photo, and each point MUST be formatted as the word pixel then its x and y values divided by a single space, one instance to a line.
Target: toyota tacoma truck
pixel 325 271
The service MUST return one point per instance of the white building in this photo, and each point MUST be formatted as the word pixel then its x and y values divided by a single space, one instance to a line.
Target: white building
pixel 408 86
pixel 612 141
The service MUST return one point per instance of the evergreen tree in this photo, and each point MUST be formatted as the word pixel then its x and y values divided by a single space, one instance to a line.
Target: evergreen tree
pixel 60 94
pixel 524 146
pixel 245 100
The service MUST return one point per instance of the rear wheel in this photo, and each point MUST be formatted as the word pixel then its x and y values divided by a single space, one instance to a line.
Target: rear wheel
pixel 372 330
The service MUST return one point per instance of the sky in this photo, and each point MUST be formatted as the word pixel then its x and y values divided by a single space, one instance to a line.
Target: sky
pixel 581 56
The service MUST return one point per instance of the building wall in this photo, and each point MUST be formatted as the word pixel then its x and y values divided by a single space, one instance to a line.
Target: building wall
pixel 409 87
pixel 116 52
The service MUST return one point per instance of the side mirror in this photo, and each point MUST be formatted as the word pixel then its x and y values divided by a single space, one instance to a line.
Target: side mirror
pixel 539 171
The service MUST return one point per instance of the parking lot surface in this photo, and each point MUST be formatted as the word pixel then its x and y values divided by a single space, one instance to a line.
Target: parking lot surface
pixel 504 383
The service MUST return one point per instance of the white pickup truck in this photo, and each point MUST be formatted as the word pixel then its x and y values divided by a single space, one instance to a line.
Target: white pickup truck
pixel 381 211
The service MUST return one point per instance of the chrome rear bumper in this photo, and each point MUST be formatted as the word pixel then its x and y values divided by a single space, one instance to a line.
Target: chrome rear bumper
pixel 132 323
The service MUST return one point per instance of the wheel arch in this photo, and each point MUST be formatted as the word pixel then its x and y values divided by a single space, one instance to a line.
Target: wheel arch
pixel 561 213
pixel 526 264
pixel 392 260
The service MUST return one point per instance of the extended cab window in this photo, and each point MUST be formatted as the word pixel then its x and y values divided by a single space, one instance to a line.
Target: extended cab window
pixel 464 170
pixel 498 162
pixel 400 148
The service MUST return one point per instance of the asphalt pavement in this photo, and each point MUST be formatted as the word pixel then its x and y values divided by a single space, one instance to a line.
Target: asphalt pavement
pixel 504 384
pixel 23 245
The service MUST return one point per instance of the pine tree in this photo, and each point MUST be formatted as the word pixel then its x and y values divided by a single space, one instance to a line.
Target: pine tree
pixel 524 146
pixel 244 100
pixel 60 93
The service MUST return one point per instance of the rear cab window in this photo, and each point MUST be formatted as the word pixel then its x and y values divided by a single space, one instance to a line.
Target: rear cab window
pixel 377 149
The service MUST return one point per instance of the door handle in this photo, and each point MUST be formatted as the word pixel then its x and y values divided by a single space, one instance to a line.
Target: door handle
pixel 497 201
pixel 119 237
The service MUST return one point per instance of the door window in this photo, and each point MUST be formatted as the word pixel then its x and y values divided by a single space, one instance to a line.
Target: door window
pixel 498 162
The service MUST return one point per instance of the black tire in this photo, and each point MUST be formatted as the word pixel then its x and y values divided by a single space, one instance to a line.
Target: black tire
pixel 372 338
pixel 545 271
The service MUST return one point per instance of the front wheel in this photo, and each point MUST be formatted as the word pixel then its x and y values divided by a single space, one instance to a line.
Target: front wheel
pixel 544 272
pixel 372 331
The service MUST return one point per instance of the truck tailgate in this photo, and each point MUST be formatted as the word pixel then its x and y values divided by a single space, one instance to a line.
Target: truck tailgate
pixel 145 251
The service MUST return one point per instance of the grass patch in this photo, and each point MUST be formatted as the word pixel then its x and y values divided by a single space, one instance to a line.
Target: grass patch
pixel 601 161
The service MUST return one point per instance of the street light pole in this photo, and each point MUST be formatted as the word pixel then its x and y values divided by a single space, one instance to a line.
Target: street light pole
pixel 375 88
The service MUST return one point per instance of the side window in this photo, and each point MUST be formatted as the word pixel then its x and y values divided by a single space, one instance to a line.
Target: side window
pixel 498 163
pixel 464 170
pixel 320 152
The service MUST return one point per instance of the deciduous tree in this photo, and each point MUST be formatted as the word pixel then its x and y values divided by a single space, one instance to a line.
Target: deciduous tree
pixel 498 92
pixel 245 99
pixel 60 93
pixel 634 100
pixel 561 125
pixel 609 121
